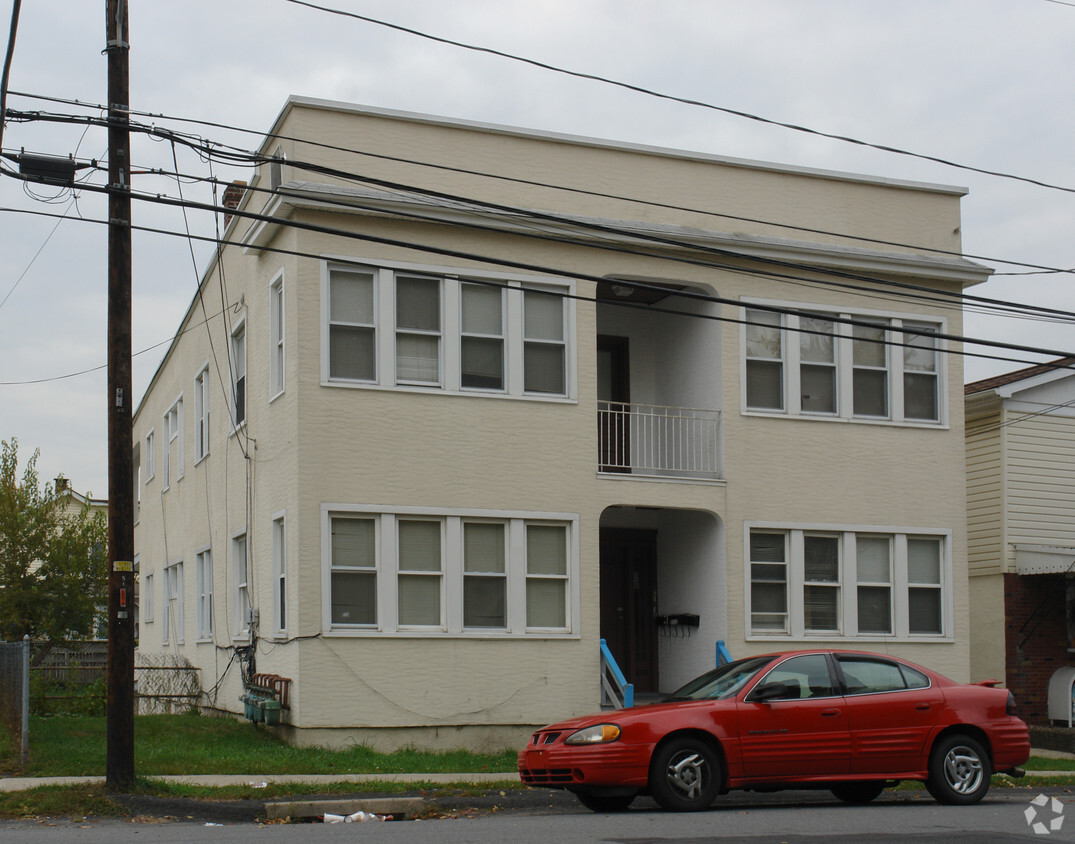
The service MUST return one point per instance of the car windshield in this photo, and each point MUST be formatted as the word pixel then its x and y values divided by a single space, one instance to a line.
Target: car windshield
pixel 724 681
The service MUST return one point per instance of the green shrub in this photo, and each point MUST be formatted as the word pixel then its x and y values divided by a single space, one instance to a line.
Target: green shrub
pixel 60 698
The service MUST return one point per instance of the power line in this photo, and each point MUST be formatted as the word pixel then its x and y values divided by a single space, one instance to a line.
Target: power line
pixel 251 156
pixel 207 149
pixel 684 100
pixel 567 273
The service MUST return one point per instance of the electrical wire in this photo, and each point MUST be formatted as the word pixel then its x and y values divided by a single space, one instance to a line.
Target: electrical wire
pixel 678 99
pixel 256 158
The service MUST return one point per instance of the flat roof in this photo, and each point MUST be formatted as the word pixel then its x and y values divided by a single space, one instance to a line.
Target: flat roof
pixel 580 140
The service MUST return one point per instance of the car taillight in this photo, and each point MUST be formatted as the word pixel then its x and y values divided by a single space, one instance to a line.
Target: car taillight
pixel 1010 708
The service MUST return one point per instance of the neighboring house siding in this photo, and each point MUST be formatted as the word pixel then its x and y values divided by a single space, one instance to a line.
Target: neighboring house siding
pixel 1041 479
pixel 985 498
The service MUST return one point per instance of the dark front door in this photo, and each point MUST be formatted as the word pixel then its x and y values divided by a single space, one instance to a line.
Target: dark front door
pixel 629 603
pixel 613 401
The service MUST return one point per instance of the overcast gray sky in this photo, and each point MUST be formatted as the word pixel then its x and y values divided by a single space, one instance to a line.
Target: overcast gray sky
pixel 986 83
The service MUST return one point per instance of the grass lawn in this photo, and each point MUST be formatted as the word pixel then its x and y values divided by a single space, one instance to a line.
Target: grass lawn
pixel 193 744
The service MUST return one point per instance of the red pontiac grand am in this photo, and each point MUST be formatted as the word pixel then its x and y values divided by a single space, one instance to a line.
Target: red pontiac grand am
pixel 853 723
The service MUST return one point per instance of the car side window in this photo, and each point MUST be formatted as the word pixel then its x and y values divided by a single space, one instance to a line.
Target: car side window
pixel 805 676
pixel 868 676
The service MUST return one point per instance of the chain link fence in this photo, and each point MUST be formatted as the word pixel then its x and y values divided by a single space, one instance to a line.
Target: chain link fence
pixel 15 693
pixel 69 678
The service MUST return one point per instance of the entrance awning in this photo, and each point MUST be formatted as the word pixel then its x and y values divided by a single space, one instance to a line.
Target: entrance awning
pixel 1044 559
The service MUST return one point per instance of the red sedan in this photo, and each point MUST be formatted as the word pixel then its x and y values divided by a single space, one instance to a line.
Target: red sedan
pixel 853 723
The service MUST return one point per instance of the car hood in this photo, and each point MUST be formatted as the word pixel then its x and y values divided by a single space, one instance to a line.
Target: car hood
pixel 648 712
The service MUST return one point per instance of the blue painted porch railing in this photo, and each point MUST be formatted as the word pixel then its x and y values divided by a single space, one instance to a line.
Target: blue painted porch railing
pixel 616 692
pixel 723 656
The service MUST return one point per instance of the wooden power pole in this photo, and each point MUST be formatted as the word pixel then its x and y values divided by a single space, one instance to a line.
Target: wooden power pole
pixel 119 765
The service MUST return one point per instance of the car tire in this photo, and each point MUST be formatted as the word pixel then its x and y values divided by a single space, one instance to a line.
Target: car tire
pixel 605 802
pixel 959 771
pixel 685 774
pixel 858 792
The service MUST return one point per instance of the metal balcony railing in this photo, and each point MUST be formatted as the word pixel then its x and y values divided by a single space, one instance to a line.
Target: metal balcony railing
pixel 651 440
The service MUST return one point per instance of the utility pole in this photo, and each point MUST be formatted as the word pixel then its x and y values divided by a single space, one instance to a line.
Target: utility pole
pixel 119 764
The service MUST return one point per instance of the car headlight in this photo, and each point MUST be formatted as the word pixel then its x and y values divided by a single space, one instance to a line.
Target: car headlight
pixel 597 734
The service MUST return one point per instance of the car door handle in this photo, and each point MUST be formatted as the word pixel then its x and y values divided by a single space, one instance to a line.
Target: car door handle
pixel 922 707
pixel 830 713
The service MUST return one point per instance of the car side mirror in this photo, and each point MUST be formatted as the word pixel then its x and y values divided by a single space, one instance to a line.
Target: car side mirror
pixel 767 692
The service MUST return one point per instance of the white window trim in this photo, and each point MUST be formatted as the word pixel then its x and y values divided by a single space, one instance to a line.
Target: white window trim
pixel 277 339
pixel 279 570
pixel 204 625
pixel 179 616
pixel 202 406
pixel 452 609
pixel 240 626
pixel 146 599
pixel 173 472
pixel 848 610
pixel 238 327
pixel 844 364
pixel 150 464
pixel 452 277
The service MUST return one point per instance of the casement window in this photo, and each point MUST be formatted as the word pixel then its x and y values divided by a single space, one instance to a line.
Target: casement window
pixel 276 337
pixel 173 449
pixel 815 364
pixel 238 373
pixel 201 414
pixel 279 571
pixel 465 573
pixel 203 588
pixel 824 582
pixel 413 329
pixel 149 461
pixel 240 569
pixel 173 604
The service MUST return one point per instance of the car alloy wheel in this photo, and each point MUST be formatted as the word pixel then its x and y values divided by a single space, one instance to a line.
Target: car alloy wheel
pixel 959 771
pixel 684 774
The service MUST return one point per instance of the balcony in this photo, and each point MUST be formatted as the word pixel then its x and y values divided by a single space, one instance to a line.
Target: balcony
pixel 645 440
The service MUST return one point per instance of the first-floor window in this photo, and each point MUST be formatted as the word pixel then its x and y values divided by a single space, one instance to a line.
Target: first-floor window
pixel 354 571
pixel 845 582
pixel 546 576
pixel 484 575
pixel 768 581
pixel 279 567
pixel 420 568
pixel 458 573
pixel 203 574
pixel 146 604
pixel 241 571
pixel 173 600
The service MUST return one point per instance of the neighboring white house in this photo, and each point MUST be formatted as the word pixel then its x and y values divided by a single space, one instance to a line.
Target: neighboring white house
pixel 1021 528
pixel 428 433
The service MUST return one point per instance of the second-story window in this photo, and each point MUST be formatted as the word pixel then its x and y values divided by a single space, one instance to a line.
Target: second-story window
pixel 861 367
pixel 418 330
pixel 201 413
pixel 238 373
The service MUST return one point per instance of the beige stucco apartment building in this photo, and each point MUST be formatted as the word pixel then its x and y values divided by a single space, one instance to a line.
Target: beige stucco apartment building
pixel 458 401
